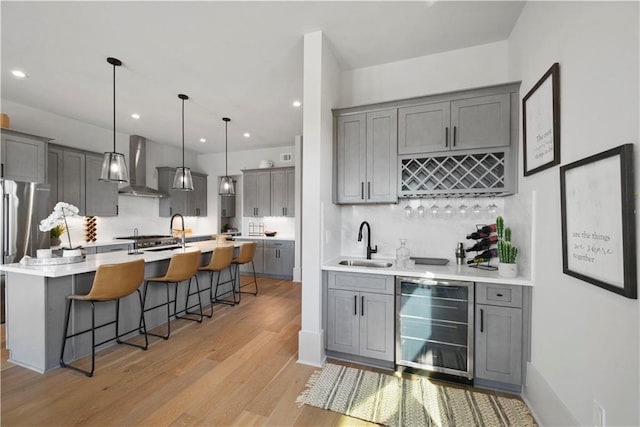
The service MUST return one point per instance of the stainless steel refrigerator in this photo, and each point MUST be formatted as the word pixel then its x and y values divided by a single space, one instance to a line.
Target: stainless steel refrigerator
pixel 24 205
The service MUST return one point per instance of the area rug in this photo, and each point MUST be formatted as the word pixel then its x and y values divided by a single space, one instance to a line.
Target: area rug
pixel 391 401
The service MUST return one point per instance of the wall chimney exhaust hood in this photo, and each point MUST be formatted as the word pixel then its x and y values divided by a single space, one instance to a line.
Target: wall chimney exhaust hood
pixel 138 170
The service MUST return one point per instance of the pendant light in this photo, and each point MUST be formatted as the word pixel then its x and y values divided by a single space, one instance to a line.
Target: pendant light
pixel 226 183
pixel 114 168
pixel 183 180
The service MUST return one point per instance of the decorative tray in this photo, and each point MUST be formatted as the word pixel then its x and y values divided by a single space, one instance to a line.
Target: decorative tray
pixel 430 261
pixel 56 260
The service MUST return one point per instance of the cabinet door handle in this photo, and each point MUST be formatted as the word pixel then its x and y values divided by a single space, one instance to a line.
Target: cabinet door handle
pixel 481 320
pixel 369 190
pixel 499 295
pixel 362 306
pixel 362 190
pixel 355 305
pixel 454 135
pixel 446 136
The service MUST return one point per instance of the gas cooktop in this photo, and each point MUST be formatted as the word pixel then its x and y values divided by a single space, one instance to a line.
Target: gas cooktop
pixel 151 240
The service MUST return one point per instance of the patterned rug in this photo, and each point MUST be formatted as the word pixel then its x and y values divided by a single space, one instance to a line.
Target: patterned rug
pixel 388 400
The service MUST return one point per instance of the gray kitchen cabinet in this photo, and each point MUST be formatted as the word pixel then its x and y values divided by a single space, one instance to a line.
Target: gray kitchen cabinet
pixel 74 178
pixel 278 258
pixel 499 334
pixel 23 156
pixel 359 316
pixel 283 192
pixel 366 148
pixel 101 197
pixel 256 197
pixel 461 124
pixel 187 203
pixel 228 205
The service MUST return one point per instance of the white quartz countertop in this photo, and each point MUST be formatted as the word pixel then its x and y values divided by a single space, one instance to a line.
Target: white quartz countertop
pixel 92 262
pixel 450 271
pixel 276 237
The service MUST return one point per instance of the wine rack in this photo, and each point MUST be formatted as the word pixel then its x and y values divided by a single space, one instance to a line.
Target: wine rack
pixel 454 175
pixel 486 265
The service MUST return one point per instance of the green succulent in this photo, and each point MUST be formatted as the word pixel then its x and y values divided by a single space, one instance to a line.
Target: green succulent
pixel 57 231
pixel 506 251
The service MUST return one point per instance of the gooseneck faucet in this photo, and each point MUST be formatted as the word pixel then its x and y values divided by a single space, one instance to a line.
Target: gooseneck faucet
pixel 370 250
pixel 182 237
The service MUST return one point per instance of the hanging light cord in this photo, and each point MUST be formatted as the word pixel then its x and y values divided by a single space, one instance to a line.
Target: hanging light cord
pixel 226 125
pixel 183 136
pixel 114 107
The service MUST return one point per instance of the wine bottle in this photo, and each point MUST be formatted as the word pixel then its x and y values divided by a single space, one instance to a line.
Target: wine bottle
pixel 483 244
pixel 484 256
pixel 483 232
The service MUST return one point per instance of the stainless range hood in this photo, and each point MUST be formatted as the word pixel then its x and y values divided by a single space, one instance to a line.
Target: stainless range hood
pixel 138 170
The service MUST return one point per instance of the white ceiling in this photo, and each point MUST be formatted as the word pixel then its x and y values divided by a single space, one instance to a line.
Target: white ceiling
pixel 238 59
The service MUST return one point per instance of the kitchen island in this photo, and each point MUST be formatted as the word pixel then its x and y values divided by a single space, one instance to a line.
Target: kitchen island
pixel 36 299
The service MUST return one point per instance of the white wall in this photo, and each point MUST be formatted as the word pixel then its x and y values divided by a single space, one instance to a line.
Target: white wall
pixel 426 75
pixel 585 340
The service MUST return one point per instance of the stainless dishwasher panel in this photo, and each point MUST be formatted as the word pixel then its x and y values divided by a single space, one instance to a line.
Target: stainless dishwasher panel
pixel 434 325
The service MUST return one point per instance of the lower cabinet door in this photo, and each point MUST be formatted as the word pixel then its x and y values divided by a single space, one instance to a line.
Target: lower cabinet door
pixel 499 343
pixel 343 320
pixel 376 326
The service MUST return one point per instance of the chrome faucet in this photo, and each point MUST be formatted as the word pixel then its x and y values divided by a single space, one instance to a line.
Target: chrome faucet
pixel 370 250
pixel 182 237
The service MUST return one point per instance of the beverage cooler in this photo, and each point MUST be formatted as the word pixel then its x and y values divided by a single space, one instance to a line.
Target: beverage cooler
pixel 434 325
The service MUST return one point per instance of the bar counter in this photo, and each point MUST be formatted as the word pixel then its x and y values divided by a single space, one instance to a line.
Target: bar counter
pixel 36 299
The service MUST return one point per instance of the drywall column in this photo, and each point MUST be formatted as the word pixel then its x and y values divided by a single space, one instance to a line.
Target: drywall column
pixel 321 77
pixel 297 269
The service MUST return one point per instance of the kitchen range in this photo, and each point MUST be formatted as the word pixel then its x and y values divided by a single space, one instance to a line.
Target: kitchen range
pixel 161 242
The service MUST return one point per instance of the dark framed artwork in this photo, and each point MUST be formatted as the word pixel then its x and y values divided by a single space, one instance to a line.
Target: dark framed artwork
pixel 598 220
pixel 541 123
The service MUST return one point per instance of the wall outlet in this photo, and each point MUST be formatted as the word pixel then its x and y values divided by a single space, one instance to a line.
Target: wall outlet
pixel 598 415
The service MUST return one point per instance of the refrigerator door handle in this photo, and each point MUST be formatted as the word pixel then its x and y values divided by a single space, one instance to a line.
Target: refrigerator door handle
pixel 5 225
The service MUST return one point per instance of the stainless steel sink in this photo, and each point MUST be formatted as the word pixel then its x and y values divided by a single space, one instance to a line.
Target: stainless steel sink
pixel 365 263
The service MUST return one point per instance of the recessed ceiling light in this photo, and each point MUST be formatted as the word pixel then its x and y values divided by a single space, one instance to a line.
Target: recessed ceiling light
pixel 203 140
pixel 135 116
pixel 297 104
pixel 247 134
pixel 19 74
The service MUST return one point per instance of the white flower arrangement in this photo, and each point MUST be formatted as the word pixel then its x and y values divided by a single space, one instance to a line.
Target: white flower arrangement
pixel 59 217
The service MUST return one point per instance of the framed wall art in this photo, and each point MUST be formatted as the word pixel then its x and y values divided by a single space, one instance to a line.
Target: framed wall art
pixel 541 123
pixel 598 220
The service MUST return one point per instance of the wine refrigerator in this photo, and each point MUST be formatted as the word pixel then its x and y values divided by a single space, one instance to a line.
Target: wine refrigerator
pixel 434 326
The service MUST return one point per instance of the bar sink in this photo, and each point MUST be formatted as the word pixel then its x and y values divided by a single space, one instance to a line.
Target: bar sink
pixel 365 263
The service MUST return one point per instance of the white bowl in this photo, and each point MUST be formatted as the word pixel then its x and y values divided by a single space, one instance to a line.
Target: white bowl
pixel 265 164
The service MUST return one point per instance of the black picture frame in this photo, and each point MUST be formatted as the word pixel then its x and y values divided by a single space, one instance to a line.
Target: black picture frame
pixel 598 220
pixel 541 123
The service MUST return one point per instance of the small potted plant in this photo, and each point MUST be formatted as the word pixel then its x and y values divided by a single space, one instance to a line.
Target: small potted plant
pixel 58 218
pixel 507 253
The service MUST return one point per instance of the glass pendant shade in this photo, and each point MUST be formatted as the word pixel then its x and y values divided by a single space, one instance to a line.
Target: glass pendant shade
pixel 226 185
pixel 183 180
pixel 114 168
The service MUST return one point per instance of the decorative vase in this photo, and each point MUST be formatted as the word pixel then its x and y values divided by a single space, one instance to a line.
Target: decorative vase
pixel 55 241
pixel 507 270
pixel 71 252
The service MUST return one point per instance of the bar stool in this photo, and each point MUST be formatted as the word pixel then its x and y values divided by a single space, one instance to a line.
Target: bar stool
pixel 111 282
pixel 220 259
pixel 246 254
pixel 182 266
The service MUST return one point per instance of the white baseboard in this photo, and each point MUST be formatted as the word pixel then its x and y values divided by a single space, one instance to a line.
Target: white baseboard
pixel 544 403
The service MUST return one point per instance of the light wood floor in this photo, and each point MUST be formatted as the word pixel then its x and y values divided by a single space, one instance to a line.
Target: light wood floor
pixel 238 368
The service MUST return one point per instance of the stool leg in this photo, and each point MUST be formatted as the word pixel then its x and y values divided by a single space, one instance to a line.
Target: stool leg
pixel 186 302
pixel 255 282
pixel 118 321
pixel 66 332
pixel 144 325
pixel 214 299
pixel 236 276
pixel 93 338
pixel 165 337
